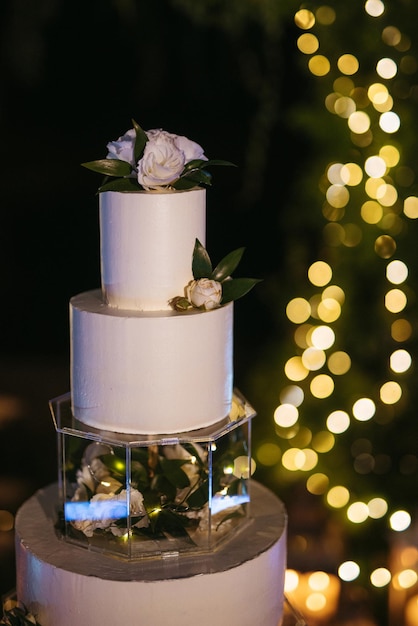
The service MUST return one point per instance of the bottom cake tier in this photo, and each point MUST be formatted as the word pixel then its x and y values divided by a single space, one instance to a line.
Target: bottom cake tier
pixel 240 585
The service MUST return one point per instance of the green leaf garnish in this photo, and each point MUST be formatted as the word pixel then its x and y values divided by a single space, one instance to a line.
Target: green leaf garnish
pixel 201 264
pixel 121 184
pixel 227 265
pixel 236 288
pixel 109 167
pixel 140 141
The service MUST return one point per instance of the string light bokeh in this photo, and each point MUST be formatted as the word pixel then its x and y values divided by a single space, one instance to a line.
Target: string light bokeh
pixel 336 412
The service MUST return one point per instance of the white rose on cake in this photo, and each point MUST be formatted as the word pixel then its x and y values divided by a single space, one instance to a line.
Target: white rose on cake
pixel 162 162
pixel 153 160
pixel 204 293
pixel 123 148
pixel 163 159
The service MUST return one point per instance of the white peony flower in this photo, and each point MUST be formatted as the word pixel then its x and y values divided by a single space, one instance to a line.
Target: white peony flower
pixel 204 293
pixel 123 148
pixel 162 162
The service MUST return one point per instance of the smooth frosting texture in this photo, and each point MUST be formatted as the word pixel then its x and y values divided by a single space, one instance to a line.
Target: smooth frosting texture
pixel 64 585
pixel 147 241
pixel 149 372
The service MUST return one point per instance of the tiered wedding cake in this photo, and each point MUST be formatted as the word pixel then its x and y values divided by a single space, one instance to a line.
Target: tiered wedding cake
pixel 155 458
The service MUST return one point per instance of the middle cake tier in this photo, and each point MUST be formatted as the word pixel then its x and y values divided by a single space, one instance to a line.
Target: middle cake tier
pixel 155 372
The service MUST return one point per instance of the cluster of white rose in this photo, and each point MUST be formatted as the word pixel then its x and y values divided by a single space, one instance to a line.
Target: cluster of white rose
pixel 163 160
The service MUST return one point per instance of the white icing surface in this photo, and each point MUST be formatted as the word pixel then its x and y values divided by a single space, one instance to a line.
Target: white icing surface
pixel 147 241
pixel 241 585
pixel 149 372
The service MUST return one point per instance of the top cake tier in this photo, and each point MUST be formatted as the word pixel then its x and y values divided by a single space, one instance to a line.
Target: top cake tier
pixel 145 273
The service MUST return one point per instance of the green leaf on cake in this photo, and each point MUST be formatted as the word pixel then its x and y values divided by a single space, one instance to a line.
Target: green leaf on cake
pixel 141 139
pixel 201 264
pixel 121 184
pixel 109 167
pixel 236 288
pixel 228 265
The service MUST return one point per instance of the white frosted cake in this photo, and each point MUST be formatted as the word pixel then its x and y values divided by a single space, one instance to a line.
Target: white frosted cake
pixel 155 427
pixel 136 364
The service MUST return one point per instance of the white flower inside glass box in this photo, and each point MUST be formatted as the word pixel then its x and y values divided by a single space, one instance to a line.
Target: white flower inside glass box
pixel 154 496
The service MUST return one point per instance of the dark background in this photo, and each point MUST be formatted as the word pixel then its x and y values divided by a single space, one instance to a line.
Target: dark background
pixel 74 73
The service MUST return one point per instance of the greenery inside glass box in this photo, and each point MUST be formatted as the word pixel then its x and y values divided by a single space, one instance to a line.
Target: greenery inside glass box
pixel 147 499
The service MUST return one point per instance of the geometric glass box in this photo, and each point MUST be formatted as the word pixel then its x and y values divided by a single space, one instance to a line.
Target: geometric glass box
pixel 153 496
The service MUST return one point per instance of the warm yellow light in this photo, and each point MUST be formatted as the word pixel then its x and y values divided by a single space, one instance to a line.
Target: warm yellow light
pixel 338 196
pixel 377 93
pixel 371 212
pixel 313 359
pixel 338 422
pixel 372 186
pixel 308 43
pixel 375 167
pixel 322 386
pixel 296 459
pixel 295 370
pixel 323 442
pixel 348 571
pixel 390 154
pixel 348 64
pixel 359 122
pixel 396 272
pixel 389 122
pixel 292 394
pixel 395 300
pixel 391 35
pixel 328 310
pixel 410 207
pixel 304 19
pixel 320 273
pixel 298 310
pixel 351 174
pixel 334 174
pixel 358 512
pixel 322 337
pixel 390 392
pixel 401 330
pixel 286 415
pixel 385 246
pixel 291 580
pixel 387 194
pixel 406 579
pixel 378 507
pixel 364 409
pixel 400 361
pixel 375 8
pixel 317 484
pixel 380 577
pixel 400 521
pixel 334 292
pixel 386 68
pixel 344 106
pixel 319 65
pixel 318 581
pixel 302 335
pixel 338 497
pixel 387 105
